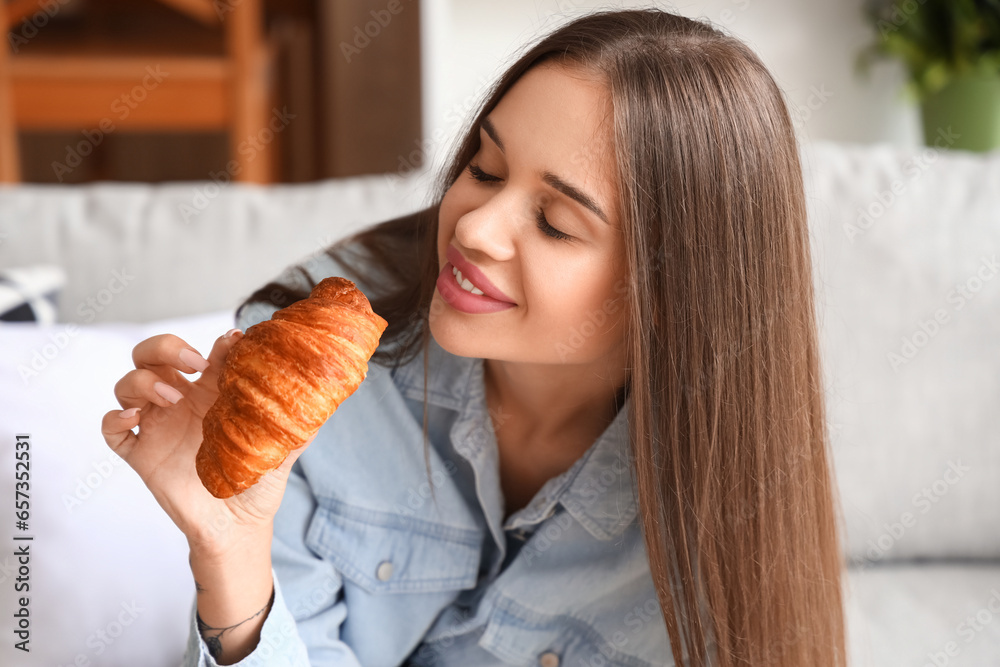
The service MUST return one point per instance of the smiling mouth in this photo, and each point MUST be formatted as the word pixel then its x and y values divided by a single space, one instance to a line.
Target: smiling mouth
pixel 465 283
pixel 464 296
pixel 473 280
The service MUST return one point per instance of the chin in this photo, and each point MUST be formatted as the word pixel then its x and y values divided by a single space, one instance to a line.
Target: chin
pixel 450 334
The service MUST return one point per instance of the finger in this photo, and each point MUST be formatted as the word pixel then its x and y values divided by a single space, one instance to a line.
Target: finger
pixel 117 431
pixel 217 357
pixel 301 448
pixel 167 351
pixel 139 388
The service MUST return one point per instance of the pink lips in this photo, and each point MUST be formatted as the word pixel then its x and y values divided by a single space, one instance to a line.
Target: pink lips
pixel 475 275
pixel 490 301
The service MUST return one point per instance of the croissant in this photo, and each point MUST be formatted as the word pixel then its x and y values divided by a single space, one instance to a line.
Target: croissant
pixel 282 380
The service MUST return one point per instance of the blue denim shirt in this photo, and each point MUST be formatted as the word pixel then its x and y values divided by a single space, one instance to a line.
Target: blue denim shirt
pixel 369 570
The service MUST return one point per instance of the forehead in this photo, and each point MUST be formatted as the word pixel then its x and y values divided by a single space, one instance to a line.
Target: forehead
pixel 559 119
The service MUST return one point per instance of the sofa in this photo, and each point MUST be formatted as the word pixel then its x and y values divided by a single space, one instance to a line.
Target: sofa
pixel 905 255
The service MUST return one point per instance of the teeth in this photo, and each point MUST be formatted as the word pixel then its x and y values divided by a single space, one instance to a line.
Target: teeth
pixel 464 283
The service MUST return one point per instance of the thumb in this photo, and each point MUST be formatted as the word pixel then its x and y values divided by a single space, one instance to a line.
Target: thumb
pixel 285 469
pixel 294 454
pixel 217 357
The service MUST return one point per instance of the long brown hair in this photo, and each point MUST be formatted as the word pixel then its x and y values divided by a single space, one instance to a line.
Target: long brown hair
pixel 728 433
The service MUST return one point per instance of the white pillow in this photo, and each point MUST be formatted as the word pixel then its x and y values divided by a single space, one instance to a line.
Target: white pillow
pixel 911 370
pixel 109 576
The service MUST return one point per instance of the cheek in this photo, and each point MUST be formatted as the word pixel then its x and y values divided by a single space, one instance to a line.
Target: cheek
pixel 457 201
pixel 568 297
pixel 580 319
pixel 447 218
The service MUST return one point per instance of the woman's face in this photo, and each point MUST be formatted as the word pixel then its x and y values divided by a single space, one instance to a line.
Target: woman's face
pixel 559 283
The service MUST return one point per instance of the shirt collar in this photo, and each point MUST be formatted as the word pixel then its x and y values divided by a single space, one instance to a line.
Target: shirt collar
pixel 448 377
pixel 599 493
pixel 602 496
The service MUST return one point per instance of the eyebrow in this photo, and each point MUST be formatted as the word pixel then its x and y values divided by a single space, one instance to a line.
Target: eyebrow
pixel 550 178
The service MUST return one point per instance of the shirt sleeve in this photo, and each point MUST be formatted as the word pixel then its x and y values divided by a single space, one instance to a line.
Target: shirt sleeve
pixel 280 643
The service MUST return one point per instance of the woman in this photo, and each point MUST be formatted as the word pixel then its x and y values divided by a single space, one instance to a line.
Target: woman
pixel 602 338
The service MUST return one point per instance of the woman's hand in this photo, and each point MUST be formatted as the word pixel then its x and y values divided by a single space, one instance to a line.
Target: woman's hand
pixel 170 413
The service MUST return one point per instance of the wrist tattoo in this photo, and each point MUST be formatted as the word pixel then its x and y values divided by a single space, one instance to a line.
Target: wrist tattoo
pixel 198 587
pixel 214 640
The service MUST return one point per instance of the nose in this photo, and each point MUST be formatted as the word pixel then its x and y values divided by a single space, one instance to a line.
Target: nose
pixel 491 228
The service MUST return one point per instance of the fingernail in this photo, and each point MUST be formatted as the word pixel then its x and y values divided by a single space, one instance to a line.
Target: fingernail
pixel 128 414
pixel 231 332
pixel 193 359
pixel 167 392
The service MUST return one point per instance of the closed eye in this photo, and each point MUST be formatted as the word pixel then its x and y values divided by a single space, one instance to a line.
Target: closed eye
pixel 542 223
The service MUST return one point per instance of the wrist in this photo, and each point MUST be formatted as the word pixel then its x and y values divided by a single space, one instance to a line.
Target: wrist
pixel 231 583
pixel 227 546
pixel 234 598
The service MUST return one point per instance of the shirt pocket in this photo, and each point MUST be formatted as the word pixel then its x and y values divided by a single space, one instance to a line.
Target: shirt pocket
pixel 385 552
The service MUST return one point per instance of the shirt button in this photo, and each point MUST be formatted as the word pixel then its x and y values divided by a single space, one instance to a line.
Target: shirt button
pixel 548 659
pixel 384 570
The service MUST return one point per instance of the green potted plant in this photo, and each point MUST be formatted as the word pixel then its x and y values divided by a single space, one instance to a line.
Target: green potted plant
pixel 951 50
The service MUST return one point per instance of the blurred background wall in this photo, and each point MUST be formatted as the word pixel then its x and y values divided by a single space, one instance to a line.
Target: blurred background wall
pixel 808 45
